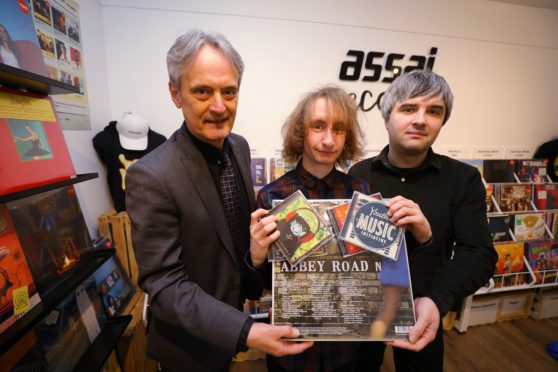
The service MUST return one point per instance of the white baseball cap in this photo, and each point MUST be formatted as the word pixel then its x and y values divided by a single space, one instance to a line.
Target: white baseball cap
pixel 132 131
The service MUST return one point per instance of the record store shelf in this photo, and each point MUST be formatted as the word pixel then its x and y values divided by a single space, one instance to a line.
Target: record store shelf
pixel 47 187
pixel 86 266
pixel 19 78
pixel 94 359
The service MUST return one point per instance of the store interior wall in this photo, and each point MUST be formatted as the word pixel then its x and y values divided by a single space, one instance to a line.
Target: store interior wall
pixel 93 195
pixel 499 59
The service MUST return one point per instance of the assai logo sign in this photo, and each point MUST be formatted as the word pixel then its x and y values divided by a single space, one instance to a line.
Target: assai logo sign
pixel 380 67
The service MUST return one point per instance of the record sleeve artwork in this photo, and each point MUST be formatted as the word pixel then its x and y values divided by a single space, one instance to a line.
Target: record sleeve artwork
pixel 18 293
pixel 335 298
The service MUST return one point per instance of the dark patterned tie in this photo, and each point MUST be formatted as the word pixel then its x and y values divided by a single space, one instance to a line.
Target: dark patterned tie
pixel 230 197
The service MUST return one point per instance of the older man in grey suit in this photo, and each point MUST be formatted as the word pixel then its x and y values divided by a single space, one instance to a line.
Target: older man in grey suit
pixel 190 203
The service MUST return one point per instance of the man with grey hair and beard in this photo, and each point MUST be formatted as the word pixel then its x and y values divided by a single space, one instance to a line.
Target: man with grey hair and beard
pixel 190 203
pixel 441 202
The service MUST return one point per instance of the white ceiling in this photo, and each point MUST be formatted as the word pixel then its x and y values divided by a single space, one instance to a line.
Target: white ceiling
pixel 549 4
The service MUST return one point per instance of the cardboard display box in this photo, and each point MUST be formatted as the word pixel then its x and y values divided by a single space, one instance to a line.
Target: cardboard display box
pixel 449 320
pixel 484 310
pixel 545 305
pixel 117 228
pixel 515 305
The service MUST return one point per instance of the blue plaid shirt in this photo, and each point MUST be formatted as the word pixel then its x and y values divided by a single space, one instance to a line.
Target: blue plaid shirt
pixel 325 355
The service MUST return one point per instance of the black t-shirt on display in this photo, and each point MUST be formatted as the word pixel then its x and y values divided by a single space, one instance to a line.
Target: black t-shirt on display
pixel 549 150
pixel 117 159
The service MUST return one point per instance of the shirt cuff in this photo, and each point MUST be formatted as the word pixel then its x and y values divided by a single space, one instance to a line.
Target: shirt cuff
pixel 248 261
pixel 243 337
pixel 413 246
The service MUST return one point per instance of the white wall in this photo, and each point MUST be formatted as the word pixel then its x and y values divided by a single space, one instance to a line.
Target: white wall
pixel 498 58
pixel 93 195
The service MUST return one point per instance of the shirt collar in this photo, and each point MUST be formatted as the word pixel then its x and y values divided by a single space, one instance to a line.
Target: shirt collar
pixel 211 154
pixel 311 181
pixel 432 161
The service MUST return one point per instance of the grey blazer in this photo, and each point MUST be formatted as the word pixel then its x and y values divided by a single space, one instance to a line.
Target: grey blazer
pixel 186 259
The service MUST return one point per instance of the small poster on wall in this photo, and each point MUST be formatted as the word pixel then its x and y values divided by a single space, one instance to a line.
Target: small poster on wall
pixel 58 32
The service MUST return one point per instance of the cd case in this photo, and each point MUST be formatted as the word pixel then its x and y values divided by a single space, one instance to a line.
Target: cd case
pixel 302 229
pixel 368 226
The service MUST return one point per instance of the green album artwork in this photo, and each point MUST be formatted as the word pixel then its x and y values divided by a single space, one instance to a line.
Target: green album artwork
pixel 302 230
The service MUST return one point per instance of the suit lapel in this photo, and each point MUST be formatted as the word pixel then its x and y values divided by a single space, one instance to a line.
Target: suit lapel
pixel 195 166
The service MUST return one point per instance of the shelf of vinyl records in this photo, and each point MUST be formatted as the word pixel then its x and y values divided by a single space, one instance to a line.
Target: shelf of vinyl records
pixel 525 238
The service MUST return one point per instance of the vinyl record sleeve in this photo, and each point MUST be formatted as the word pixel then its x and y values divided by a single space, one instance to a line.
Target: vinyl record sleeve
pixel 63 336
pixel 52 231
pixel 531 170
pixel 530 226
pixel 335 298
pixel 543 259
pixel 510 262
pixel 18 292
pixel 114 286
pixel 546 196
pixel 34 151
pixel 498 170
pixel 499 227
pixel 514 197
pixel 302 229
pixel 259 172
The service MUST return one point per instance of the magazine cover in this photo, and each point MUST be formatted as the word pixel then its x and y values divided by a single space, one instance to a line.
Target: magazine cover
pixel 499 227
pixel 510 268
pixel 18 293
pixel 368 226
pixel 52 232
pixel 498 170
pixel 114 286
pixel 514 197
pixel 546 196
pixel 301 227
pixel 531 170
pixel 34 151
pixel 543 259
pixel 530 226
pixel 336 298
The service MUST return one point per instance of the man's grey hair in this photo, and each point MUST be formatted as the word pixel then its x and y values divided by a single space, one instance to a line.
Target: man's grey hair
pixel 413 84
pixel 187 46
